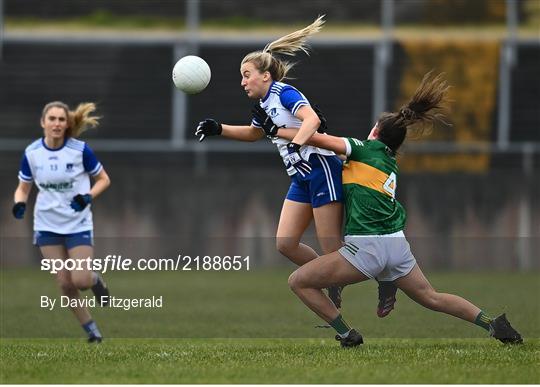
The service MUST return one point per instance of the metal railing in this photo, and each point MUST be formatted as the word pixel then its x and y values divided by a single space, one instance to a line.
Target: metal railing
pixel 190 43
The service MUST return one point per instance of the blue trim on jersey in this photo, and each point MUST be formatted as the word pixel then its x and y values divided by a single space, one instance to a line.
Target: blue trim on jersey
pixel 96 170
pixel 322 185
pixel 268 92
pixel 48 238
pixel 255 123
pixel 298 105
pixel 25 178
pixel 25 172
pixel 90 162
pixel 53 149
pixel 277 88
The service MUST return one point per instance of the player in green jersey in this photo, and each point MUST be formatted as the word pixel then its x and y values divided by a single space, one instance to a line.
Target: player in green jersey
pixel 375 246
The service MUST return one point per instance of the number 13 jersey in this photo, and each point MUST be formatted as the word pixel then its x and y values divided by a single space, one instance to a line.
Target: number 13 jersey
pixel 60 174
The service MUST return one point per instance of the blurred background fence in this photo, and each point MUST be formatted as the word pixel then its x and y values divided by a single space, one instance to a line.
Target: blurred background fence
pixel 471 190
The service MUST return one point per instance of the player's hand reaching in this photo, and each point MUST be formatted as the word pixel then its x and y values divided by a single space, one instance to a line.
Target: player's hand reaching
pixel 18 210
pixel 80 202
pixel 295 159
pixel 208 127
pixel 323 127
pixel 260 115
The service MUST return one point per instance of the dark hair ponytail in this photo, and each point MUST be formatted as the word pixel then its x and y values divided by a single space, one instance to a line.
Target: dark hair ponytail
pixel 426 106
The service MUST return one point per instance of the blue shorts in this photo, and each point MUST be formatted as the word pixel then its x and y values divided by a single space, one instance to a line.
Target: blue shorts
pixel 48 238
pixel 322 185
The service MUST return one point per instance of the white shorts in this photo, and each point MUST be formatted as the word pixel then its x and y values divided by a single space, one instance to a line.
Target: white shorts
pixel 384 257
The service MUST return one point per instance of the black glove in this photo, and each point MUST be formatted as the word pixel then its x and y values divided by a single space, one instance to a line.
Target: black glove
pixel 260 115
pixel 18 210
pixel 323 127
pixel 294 159
pixel 208 127
pixel 80 202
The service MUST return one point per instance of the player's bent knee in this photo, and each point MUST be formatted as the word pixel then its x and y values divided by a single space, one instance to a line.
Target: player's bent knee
pixel 292 281
pixel 295 281
pixel 285 246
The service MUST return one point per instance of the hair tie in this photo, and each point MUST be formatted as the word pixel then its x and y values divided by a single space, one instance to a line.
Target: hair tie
pixel 408 113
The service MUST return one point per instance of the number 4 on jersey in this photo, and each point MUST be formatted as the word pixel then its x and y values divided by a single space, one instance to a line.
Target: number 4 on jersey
pixel 390 185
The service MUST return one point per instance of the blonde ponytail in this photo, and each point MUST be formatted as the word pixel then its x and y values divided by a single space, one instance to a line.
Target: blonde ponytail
pixel 81 119
pixel 295 41
pixel 287 45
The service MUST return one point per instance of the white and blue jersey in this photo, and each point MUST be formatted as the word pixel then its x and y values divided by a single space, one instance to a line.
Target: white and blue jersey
pixel 323 184
pixel 281 103
pixel 60 174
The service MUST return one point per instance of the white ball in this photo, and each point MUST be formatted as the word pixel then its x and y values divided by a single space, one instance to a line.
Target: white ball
pixel 191 74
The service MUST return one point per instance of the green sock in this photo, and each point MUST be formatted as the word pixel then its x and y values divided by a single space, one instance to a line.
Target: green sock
pixel 483 320
pixel 340 325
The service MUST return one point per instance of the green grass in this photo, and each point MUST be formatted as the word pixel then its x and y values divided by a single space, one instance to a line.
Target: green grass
pixel 268 361
pixel 247 327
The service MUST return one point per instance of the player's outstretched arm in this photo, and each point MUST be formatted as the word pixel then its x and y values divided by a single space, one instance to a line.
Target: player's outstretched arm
pixel 211 127
pixel 325 141
pixel 242 133
pixel 336 144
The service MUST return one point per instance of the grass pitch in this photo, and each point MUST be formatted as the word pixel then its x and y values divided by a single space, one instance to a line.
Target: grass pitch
pixel 268 361
pixel 246 327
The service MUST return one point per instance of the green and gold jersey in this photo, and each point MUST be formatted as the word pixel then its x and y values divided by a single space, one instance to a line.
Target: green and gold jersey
pixel 369 186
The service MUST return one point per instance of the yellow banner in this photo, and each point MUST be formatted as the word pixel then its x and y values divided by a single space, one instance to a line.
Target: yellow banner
pixel 471 68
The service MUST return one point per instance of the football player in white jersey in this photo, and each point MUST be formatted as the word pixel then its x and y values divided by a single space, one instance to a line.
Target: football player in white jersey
pixel 315 191
pixel 61 166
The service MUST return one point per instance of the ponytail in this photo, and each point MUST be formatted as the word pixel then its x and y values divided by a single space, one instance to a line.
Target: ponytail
pixel 287 45
pixel 81 119
pixel 418 115
pixel 295 41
